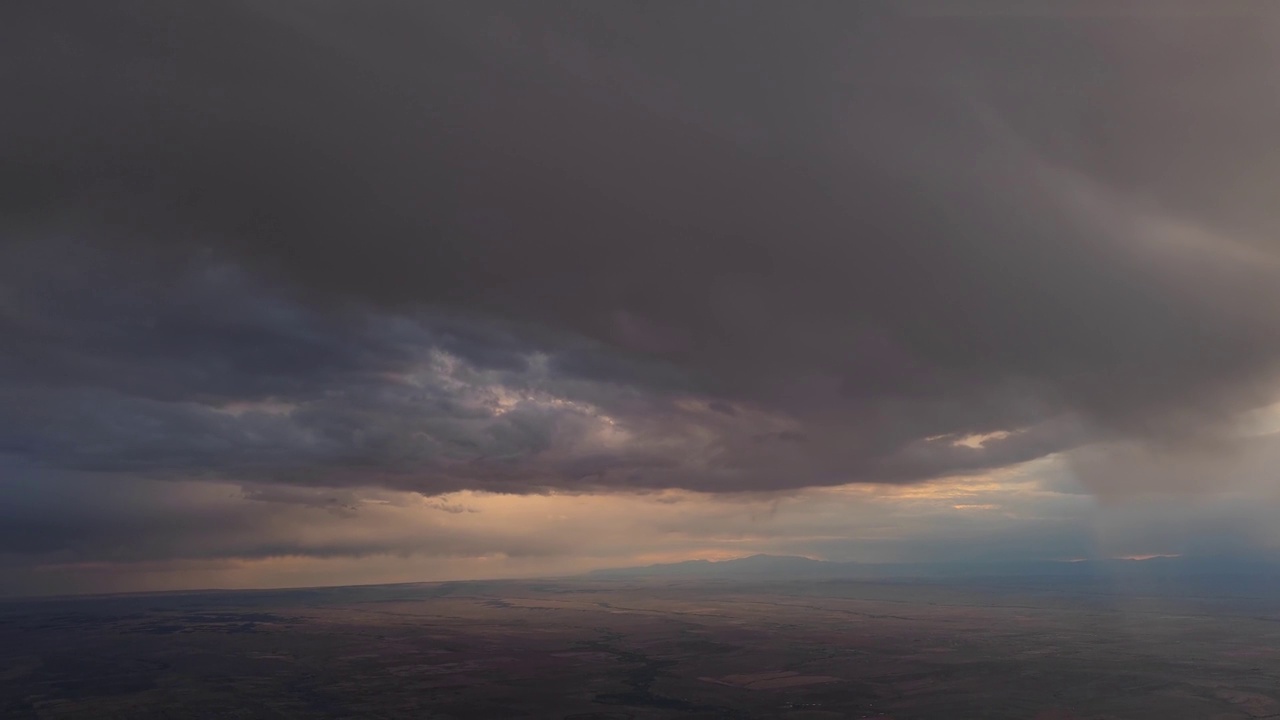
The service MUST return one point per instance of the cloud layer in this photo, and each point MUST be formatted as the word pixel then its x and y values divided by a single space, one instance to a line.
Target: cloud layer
pixel 320 247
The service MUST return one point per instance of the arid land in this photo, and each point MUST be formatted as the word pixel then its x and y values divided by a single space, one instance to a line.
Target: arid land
pixel 649 648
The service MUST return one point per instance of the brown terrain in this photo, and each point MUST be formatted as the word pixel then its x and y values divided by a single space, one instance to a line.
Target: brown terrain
pixel 609 649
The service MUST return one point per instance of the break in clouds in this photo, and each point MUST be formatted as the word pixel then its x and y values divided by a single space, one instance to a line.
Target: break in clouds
pixel 442 247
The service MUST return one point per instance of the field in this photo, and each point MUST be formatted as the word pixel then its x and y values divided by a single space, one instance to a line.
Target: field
pixel 601 649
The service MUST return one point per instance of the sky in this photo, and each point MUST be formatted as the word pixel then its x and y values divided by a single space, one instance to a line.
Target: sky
pixel 303 292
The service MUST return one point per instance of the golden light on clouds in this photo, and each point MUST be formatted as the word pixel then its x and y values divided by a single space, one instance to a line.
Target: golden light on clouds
pixel 977 441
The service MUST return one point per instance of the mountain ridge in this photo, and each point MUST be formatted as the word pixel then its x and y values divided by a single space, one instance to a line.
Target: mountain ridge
pixel 799 567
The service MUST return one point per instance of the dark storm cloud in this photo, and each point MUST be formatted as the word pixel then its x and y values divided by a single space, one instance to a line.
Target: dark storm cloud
pixel 211 375
pixel 208 374
pixel 753 246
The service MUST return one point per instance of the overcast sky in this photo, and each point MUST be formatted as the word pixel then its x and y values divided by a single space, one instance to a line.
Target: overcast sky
pixel 318 291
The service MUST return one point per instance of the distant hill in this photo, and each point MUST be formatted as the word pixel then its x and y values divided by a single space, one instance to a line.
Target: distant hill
pixel 753 566
pixel 784 567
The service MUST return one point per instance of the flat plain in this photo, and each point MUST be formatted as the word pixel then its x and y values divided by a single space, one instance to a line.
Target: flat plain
pixel 612 649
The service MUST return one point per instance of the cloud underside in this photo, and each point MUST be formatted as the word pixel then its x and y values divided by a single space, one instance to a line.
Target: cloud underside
pixel 523 249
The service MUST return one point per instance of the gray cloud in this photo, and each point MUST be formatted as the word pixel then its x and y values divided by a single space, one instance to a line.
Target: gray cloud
pixel 720 246
pixel 833 206
pixel 211 374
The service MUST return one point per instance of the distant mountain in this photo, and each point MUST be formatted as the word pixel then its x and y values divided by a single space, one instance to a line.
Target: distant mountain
pixel 783 567
pixel 753 566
